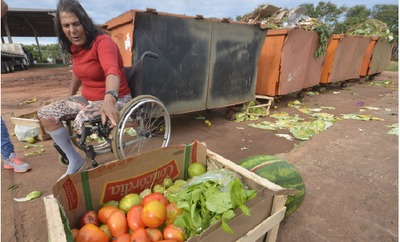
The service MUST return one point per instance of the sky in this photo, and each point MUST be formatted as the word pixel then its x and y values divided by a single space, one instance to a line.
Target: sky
pixel 103 10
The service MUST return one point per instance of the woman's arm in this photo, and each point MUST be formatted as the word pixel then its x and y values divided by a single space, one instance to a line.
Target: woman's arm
pixel 109 108
pixel 75 85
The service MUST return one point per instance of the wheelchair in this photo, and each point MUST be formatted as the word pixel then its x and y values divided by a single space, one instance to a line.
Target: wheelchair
pixel 144 125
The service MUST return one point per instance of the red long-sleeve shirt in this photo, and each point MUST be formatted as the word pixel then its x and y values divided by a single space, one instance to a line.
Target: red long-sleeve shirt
pixel 93 65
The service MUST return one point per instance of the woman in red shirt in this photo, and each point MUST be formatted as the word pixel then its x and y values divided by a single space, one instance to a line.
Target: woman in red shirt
pixel 97 68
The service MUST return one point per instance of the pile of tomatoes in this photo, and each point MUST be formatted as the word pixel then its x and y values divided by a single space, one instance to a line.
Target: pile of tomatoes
pixel 151 220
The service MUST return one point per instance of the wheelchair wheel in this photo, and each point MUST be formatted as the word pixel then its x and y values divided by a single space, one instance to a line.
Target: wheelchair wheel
pixel 144 125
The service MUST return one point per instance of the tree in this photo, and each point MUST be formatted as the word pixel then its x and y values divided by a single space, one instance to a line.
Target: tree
pixel 49 52
pixel 353 17
pixel 329 13
pixel 389 14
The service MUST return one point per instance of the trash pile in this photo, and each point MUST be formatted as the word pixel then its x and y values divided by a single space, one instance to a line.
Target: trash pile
pixel 319 121
pixel 271 17
pixel 372 27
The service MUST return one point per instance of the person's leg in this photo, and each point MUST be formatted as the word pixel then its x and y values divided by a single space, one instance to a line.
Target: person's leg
pixel 6 146
pixel 11 160
pixel 61 138
pixel 50 118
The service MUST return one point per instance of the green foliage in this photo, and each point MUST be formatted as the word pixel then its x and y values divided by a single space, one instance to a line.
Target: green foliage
pixel 389 14
pixel 49 52
pixel 394 66
pixel 329 13
pixel 358 12
pixel 209 198
pixel 323 36
pixel 372 27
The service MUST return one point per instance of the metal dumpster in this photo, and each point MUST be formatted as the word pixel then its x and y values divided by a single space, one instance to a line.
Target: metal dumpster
pixel 343 59
pixel 287 63
pixel 202 64
pixel 367 58
pixel 379 58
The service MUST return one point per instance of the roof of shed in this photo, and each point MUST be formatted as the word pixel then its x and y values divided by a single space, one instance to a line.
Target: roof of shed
pixel 25 22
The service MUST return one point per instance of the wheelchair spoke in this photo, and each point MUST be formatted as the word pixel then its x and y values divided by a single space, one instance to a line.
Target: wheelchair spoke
pixel 151 124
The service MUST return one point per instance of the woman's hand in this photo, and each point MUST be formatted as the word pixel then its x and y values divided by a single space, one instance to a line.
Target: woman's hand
pixel 109 110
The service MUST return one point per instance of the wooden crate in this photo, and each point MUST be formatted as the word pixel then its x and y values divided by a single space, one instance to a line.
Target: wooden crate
pixel 73 195
pixel 31 120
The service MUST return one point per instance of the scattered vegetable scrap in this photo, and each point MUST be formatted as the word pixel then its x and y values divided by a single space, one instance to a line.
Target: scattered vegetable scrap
pixel 250 111
pixel 130 131
pixel 360 117
pixel 28 146
pixel 372 108
pixel 39 152
pixel 286 136
pixel 12 187
pixel 382 83
pixel 394 130
pixel 207 122
pixel 306 130
pixel 32 195
pixel 28 101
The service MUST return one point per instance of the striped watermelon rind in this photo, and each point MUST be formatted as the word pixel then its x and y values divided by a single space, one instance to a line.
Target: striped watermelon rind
pixel 280 172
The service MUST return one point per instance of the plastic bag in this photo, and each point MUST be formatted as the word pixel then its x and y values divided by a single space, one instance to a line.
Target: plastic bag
pixel 221 176
pixel 24 132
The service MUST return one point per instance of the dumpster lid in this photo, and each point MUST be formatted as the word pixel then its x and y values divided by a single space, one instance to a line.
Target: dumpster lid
pixel 129 16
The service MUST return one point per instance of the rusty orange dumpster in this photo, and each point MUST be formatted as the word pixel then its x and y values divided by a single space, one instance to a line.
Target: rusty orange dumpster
pixel 343 59
pixel 378 58
pixel 287 63
pixel 367 58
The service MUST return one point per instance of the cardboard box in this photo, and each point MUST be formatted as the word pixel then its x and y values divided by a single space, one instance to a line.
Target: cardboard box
pixel 89 190
pixel 31 120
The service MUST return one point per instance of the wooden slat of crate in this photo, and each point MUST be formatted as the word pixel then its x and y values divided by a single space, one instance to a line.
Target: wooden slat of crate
pixel 31 120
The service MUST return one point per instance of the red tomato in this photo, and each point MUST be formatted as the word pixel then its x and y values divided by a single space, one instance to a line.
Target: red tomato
pixel 133 217
pixel 117 223
pixel 172 212
pixel 153 214
pixel 91 233
pixel 105 212
pixel 140 235
pixel 123 238
pixel 154 196
pixel 173 232
pixel 155 234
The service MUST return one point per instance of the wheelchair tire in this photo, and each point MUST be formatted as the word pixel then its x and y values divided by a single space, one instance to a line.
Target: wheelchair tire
pixel 63 160
pixel 144 125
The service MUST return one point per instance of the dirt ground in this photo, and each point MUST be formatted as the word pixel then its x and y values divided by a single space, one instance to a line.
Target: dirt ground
pixel 350 169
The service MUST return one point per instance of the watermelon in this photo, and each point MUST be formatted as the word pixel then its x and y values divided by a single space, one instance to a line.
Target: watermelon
pixel 280 172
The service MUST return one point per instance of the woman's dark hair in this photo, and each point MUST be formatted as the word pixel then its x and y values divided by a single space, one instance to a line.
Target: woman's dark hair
pixel 73 6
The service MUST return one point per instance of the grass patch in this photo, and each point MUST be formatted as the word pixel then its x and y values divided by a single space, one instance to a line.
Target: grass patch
pixel 393 66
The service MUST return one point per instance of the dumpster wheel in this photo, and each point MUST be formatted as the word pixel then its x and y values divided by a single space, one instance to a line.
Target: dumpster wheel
pixel 301 94
pixel 344 84
pixel 320 88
